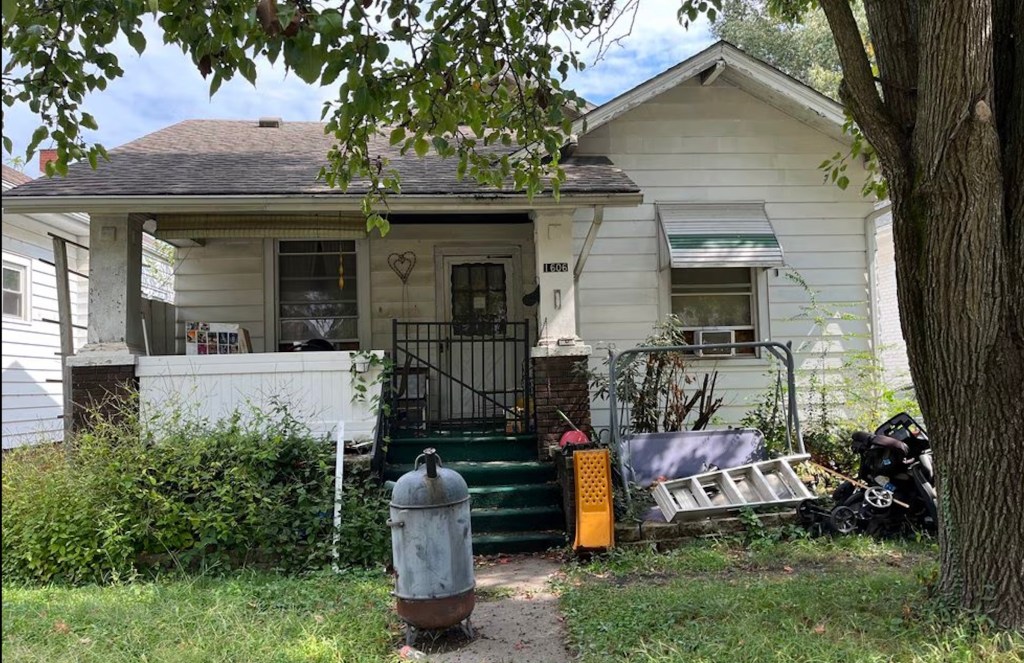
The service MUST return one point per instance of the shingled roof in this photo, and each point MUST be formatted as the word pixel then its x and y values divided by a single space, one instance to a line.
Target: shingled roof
pixel 12 177
pixel 238 158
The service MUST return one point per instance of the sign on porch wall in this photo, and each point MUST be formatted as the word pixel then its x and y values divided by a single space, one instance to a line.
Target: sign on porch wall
pixel 216 338
pixel 556 267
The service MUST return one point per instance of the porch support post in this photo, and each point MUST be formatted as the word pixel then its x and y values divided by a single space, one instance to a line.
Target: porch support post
pixel 104 369
pixel 560 358
pixel 556 310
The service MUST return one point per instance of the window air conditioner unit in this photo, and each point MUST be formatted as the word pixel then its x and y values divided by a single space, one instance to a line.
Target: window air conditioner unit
pixel 710 336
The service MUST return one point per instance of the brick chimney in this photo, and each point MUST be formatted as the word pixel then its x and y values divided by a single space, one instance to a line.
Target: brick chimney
pixel 45 157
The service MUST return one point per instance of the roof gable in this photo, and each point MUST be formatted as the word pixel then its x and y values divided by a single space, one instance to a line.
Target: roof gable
pixel 746 72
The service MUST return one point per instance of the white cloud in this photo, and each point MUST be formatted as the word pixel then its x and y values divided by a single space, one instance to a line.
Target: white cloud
pixel 163 86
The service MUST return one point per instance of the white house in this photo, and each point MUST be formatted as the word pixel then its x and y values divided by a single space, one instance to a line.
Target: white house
pixel 696 193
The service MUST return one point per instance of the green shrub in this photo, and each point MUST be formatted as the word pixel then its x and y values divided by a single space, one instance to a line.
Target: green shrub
pixel 248 490
pixel 365 540
pixel 57 524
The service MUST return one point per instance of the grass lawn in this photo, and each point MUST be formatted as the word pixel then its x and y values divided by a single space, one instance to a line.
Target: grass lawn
pixel 243 617
pixel 849 599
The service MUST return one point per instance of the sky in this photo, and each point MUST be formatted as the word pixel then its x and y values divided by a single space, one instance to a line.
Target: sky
pixel 163 87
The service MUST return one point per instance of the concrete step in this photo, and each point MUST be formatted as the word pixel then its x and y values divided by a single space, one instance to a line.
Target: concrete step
pixel 489 473
pixel 520 495
pixel 493 543
pixel 456 448
pixel 522 519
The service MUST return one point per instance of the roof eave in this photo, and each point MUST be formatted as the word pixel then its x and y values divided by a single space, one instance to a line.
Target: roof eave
pixel 278 203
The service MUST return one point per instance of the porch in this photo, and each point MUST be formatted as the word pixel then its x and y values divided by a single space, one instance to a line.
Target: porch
pixel 479 339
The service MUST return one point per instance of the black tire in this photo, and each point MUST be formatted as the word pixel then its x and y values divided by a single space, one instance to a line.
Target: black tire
pixel 843 493
pixel 843 520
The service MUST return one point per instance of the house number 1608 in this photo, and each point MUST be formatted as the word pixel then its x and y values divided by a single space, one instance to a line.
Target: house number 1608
pixel 556 267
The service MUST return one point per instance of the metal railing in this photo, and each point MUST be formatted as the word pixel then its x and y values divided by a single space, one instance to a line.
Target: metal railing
pixel 445 380
pixel 782 352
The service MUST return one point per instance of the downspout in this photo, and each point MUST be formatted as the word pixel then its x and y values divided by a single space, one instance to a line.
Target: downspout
pixel 588 243
pixel 871 233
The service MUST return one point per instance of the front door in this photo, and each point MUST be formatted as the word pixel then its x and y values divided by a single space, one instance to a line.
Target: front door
pixel 485 337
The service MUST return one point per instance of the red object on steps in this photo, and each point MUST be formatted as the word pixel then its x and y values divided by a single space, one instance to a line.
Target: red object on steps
pixel 573 438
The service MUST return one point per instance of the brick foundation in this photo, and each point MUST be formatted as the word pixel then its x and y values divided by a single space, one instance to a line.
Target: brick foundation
pixel 560 383
pixel 666 536
pixel 102 388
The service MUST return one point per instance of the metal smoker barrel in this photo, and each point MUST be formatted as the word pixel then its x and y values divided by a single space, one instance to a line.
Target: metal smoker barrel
pixel 432 547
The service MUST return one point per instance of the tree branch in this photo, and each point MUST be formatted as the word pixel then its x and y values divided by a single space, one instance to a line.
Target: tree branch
pixel 858 89
pixel 894 37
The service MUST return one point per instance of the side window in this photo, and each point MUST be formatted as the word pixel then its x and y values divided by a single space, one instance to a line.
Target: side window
pixel 716 305
pixel 15 286
pixel 317 293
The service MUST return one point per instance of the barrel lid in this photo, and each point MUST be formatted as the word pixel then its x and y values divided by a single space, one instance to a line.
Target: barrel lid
pixel 415 489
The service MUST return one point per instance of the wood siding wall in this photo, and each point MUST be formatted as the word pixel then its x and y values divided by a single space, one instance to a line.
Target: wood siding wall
pixel 417 301
pixel 226 280
pixel 892 347
pixel 720 144
pixel 32 391
pixel 222 281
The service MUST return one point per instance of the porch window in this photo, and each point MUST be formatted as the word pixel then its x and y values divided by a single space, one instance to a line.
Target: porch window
pixel 15 284
pixel 716 305
pixel 317 293
pixel 479 298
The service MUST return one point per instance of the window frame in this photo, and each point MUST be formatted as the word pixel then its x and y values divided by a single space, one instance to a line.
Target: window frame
pixel 274 280
pixel 760 320
pixel 24 266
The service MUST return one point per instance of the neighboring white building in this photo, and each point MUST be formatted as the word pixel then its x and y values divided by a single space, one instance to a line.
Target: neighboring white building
pixel 32 386
pixel 892 348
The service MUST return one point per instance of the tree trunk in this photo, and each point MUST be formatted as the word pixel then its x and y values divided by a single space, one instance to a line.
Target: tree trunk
pixel 958 276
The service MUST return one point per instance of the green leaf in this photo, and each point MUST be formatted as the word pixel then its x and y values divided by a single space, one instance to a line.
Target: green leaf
pixel 89 122
pixel 10 11
pixel 421 146
pixel 843 182
pixel 215 83
pixel 397 135
pixel 38 136
pixel 8 145
pixel 137 40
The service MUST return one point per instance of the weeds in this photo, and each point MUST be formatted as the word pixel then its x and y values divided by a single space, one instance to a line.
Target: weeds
pixel 256 488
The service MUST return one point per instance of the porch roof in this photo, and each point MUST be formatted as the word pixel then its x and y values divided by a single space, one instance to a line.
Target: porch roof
pixel 240 158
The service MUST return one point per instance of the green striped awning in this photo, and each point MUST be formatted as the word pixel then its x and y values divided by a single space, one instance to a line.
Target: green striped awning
pixel 719 235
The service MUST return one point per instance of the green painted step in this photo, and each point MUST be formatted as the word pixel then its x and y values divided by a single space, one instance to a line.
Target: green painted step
pixel 523 495
pixel 456 448
pixel 517 542
pixel 489 473
pixel 523 519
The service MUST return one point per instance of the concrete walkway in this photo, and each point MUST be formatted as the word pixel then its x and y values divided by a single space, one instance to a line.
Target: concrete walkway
pixel 516 617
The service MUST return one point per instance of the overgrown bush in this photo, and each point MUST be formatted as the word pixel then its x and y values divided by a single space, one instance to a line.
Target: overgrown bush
pixel 249 490
pixel 658 392
pixel 842 392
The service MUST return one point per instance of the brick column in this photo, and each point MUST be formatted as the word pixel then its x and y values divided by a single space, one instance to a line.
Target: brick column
pixel 103 388
pixel 559 383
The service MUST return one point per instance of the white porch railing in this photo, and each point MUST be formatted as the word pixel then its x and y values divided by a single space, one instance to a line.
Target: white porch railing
pixel 317 388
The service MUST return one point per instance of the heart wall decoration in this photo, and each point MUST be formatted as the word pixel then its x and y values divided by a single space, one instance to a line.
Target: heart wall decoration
pixel 402 264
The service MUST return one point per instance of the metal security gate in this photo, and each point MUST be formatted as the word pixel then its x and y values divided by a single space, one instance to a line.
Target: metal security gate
pixel 449 378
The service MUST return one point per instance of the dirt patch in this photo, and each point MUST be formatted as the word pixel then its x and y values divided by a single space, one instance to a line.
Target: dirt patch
pixel 516 620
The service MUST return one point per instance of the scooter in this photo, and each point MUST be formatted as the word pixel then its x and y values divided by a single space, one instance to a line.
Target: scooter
pixel 895 486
